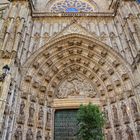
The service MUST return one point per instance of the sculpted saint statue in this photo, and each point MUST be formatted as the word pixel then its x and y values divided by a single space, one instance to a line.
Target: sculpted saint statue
pixel 31 114
pixel 135 109
pixel 29 135
pixel 18 133
pixel 118 134
pixel 21 118
pixel 39 136
pixel 40 114
pixel 116 120
pixel 129 133
pixel 22 106
pixel 40 117
pixel 109 136
pixel 124 111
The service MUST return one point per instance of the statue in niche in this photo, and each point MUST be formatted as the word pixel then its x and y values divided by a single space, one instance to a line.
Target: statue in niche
pixel 109 135
pixel 40 117
pixel 47 137
pixel 118 134
pixel 135 110
pixel 107 118
pixel 48 119
pixel 116 120
pixel 129 133
pixel 29 134
pixel 18 133
pixel 31 114
pixel 33 97
pixel 124 111
pixel 21 118
pixel 38 135
pixel 138 129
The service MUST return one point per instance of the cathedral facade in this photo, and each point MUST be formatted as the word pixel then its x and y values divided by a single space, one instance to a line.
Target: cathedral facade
pixel 58 54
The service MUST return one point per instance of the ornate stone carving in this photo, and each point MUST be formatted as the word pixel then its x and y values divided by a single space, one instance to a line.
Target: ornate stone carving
pixel 109 135
pixel 79 51
pixel 18 133
pixel 49 63
pixel 109 88
pixel 41 100
pixel 31 115
pixel 29 134
pixel 75 85
pixel 38 135
pixel 28 78
pixel 41 72
pixel 24 95
pixel 21 118
pixel 129 133
pixel 125 114
pixel 115 63
pixel 107 118
pixel 101 62
pixel 138 129
pixel 90 54
pixel 96 69
pixel 125 76
pixel 36 65
pixel 33 97
pixel 115 116
pixel 91 47
pixel 48 78
pixel 135 110
pixel 40 117
pixel 47 137
pixel 111 71
pixel 103 53
pixel 118 134
pixel 48 119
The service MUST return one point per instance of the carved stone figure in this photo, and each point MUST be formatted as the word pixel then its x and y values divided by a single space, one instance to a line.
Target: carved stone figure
pixel 124 111
pixel 40 117
pixel 22 106
pixel 31 114
pixel 109 136
pixel 118 134
pixel 38 135
pixel 135 110
pixel 21 118
pixel 138 129
pixel 33 97
pixel 29 135
pixel 107 118
pixel 129 133
pixel 47 137
pixel 48 119
pixel 18 134
pixel 116 120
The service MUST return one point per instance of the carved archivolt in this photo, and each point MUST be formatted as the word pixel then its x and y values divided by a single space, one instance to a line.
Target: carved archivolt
pixel 77 66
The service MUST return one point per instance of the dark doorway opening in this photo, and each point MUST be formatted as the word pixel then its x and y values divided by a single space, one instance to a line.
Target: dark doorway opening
pixel 65 124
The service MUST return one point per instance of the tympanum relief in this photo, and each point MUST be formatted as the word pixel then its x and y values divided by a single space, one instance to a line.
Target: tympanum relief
pixel 75 85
